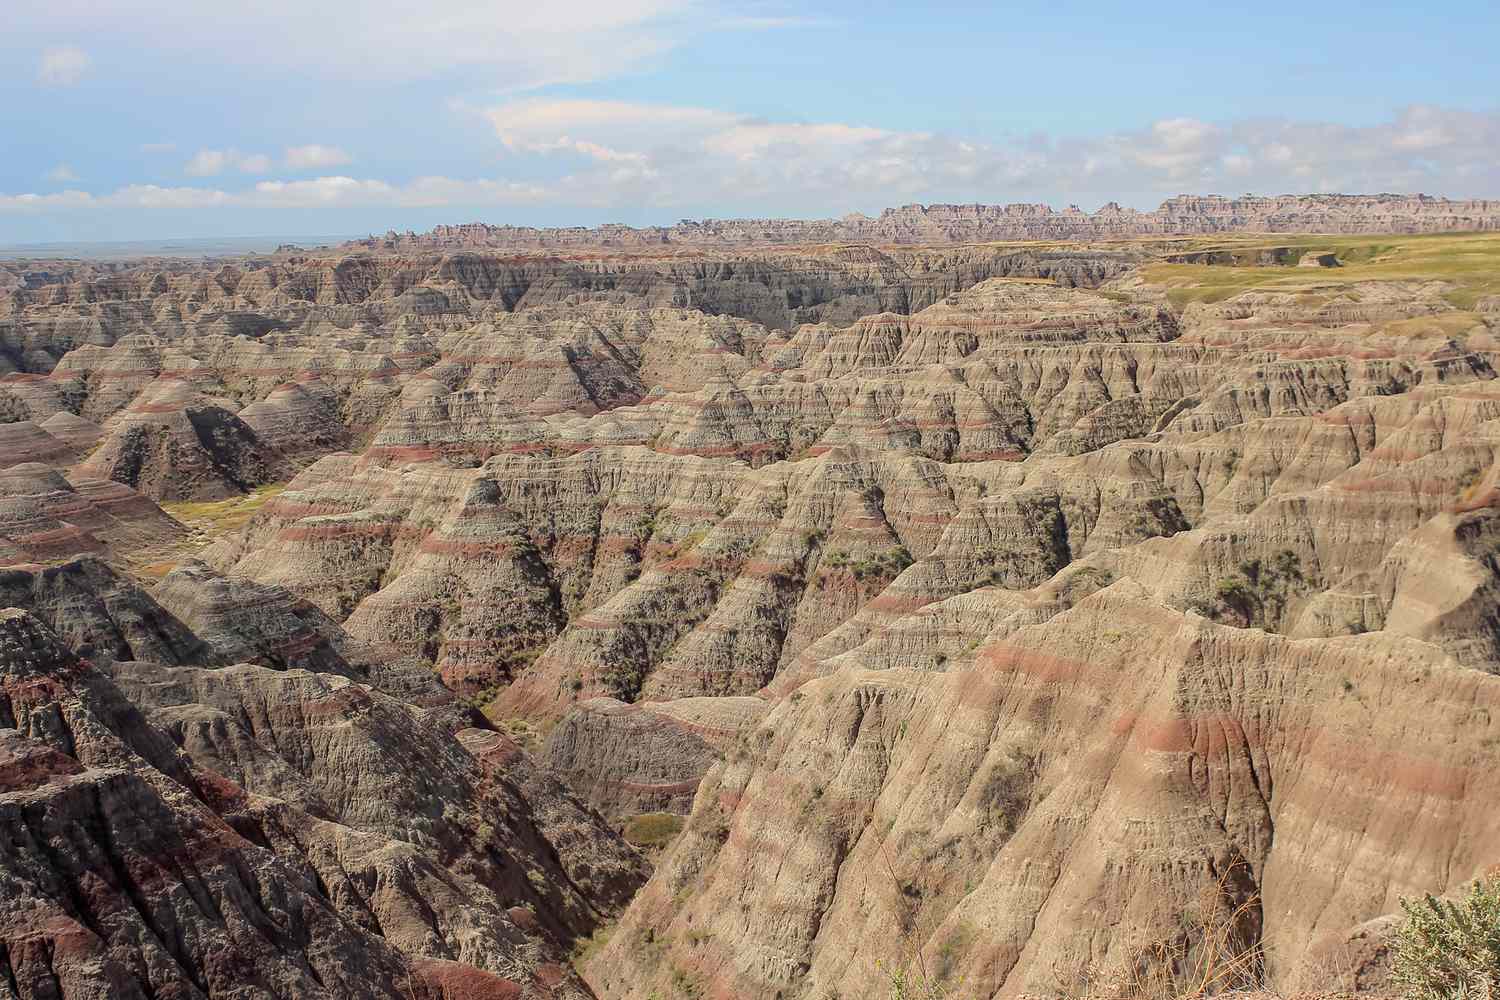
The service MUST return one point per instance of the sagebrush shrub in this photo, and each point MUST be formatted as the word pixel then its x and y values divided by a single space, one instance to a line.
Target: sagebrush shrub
pixel 1450 950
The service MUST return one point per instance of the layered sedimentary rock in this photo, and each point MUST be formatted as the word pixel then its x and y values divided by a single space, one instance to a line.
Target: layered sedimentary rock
pixel 935 809
pixel 119 878
pixel 45 517
pixel 1020 615
pixel 648 757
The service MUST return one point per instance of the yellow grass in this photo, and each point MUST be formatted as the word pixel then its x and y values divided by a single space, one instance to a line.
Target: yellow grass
pixel 217 517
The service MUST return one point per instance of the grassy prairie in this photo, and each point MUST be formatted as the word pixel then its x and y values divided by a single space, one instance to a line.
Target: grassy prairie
pixel 1469 262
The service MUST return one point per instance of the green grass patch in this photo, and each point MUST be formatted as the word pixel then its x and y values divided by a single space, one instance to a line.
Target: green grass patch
pixel 652 830
pixel 221 516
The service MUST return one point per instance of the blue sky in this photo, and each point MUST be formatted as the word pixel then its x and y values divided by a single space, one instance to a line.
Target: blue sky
pixel 166 118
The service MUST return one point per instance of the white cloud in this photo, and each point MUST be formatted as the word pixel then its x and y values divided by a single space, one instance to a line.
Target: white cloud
pixel 212 162
pixel 315 157
pixel 207 163
pixel 508 44
pixel 45 202
pixel 604 155
pixel 321 192
pixel 62 66
pixel 753 23
pixel 542 125
pixel 421 192
pixel 62 174
pixel 152 196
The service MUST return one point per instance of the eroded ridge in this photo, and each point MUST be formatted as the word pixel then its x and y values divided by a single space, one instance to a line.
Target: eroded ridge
pixel 1025 611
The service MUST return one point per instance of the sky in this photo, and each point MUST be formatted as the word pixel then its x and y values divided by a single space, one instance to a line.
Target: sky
pixel 156 119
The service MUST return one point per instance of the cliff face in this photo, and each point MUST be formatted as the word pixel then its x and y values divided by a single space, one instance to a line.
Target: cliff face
pixel 933 224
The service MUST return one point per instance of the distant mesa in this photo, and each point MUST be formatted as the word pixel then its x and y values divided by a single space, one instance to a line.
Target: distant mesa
pixel 1184 215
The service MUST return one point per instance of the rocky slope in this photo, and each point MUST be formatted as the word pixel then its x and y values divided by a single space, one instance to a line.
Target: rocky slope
pixel 1020 626
pixel 244 830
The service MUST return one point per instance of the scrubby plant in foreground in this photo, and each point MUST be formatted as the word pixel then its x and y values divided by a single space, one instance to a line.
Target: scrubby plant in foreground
pixel 1450 950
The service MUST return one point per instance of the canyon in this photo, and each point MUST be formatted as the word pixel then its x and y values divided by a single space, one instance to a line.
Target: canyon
pixel 1043 601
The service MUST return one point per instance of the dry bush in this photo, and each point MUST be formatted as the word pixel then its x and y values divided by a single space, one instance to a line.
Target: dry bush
pixel 1450 950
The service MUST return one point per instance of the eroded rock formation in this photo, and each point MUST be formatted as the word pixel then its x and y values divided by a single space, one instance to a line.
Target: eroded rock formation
pixel 1024 611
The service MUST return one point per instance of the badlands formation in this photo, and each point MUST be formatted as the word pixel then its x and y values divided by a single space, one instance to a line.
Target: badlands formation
pixel 1050 618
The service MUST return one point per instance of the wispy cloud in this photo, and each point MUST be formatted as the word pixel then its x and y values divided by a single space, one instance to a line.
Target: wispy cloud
pixel 770 22
pixel 504 44
pixel 62 66
pixel 61 174
pixel 212 162
pixel 315 157
pixel 321 192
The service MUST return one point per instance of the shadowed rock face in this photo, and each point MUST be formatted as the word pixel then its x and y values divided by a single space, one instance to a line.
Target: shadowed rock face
pixel 1024 625
pixel 632 759
pixel 192 830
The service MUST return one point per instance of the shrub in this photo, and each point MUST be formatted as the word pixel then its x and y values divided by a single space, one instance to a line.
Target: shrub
pixel 884 565
pixel 1259 593
pixel 913 984
pixel 1451 950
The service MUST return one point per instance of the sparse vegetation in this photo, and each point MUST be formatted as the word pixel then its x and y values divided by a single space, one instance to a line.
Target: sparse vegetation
pixel 652 831
pixel 523 732
pixel 686 983
pixel 213 518
pixel 909 979
pixel 1450 950
pixel 1467 483
pixel 1258 594
pixel 887 565
pixel 586 948
pixel 913 984
pixel 479 699
pixel 1213 951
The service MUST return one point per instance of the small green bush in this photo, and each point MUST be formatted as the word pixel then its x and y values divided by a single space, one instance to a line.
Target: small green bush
pixel 1451 950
